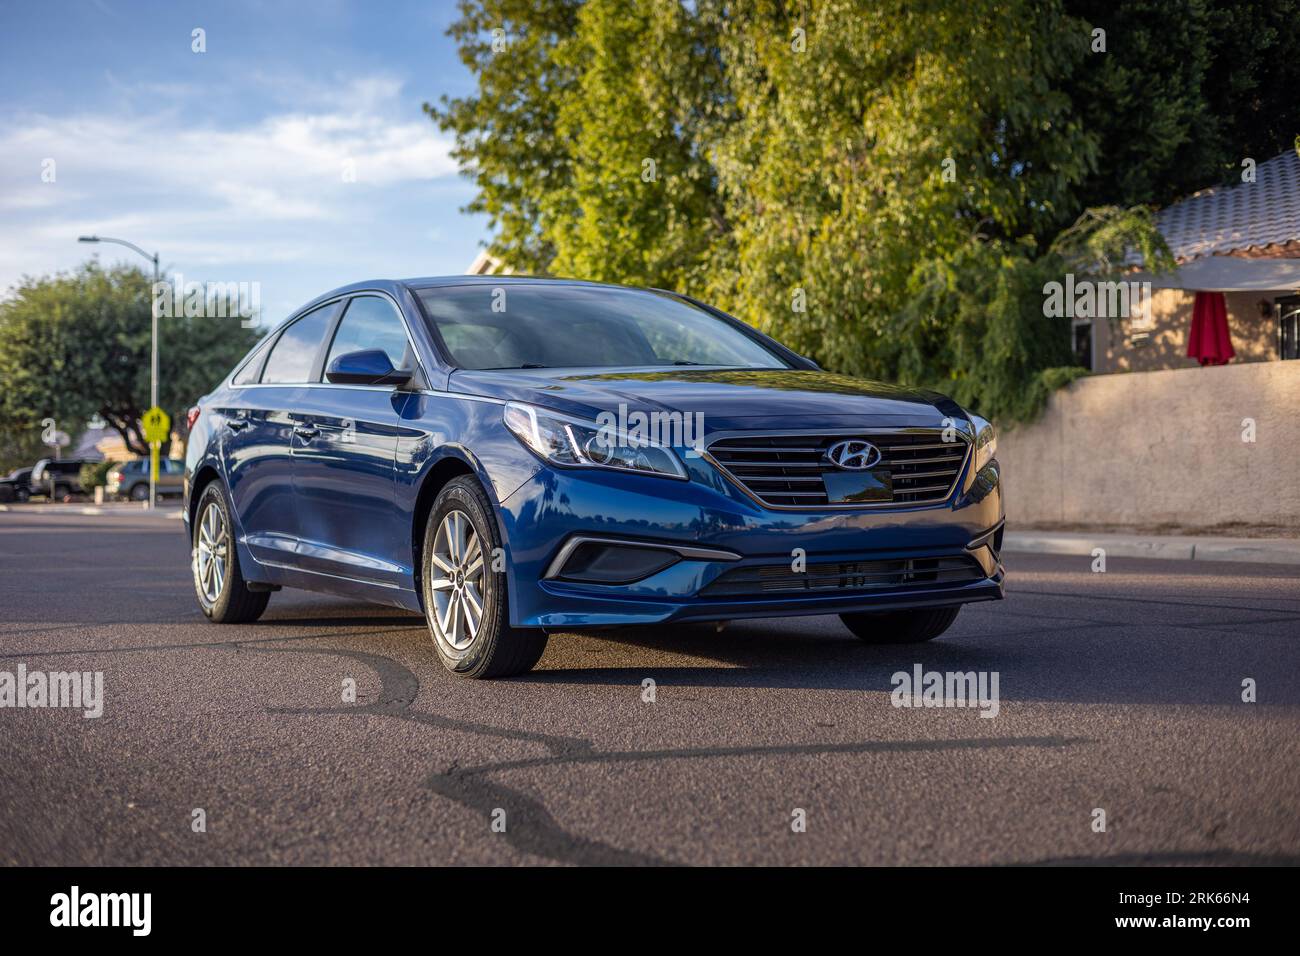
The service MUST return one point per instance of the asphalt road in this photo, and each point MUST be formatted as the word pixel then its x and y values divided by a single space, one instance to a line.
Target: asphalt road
pixel 1119 691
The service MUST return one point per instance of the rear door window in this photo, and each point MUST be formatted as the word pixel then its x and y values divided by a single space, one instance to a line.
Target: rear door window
pixel 253 367
pixel 293 357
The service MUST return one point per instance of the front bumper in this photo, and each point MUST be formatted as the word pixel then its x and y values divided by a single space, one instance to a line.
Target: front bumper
pixel 708 516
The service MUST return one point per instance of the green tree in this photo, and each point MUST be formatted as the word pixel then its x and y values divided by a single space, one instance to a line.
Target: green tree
pixel 641 205
pixel 20 445
pixel 901 134
pixel 75 345
pixel 1184 91
pixel 885 186
pixel 506 135
pixel 1252 77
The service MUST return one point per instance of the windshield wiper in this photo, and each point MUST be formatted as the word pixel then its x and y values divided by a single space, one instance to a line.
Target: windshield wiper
pixel 506 368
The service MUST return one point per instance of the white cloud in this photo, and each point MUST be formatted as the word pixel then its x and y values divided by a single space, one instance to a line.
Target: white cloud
pixel 262 191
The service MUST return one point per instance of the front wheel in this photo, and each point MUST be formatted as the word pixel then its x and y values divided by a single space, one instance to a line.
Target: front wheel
pixel 901 627
pixel 223 593
pixel 464 589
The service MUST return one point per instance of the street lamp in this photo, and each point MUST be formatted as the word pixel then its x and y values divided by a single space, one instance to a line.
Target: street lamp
pixel 153 351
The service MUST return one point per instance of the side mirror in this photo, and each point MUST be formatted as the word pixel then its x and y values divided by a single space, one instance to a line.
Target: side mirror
pixel 366 367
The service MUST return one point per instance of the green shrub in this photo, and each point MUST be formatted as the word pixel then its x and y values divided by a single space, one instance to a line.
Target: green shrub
pixel 95 474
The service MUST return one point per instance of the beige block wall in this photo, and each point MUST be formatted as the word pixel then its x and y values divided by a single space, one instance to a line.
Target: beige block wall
pixel 1157 447
pixel 1254 335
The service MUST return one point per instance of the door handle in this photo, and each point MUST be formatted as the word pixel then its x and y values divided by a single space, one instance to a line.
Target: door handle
pixel 305 432
pixel 237 424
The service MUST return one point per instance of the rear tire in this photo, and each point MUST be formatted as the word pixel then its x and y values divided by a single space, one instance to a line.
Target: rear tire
pixel 140 491
pixel 466 603
pixel 901 627
pixel 219 584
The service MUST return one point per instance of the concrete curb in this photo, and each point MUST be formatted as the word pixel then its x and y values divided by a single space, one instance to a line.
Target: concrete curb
pixel 1170 547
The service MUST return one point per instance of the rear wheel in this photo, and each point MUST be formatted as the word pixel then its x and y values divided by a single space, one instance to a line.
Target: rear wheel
pixel 140 491
pixel 465 600
pixel 223 593
pixel 901 627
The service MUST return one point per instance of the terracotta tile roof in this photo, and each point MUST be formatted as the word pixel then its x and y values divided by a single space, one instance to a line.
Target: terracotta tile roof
pixel 1259 219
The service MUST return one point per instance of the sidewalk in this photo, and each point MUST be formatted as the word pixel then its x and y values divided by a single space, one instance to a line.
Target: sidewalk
pixel 171 509
pixel 1171 547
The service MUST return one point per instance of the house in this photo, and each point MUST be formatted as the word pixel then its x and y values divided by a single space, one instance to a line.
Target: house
pixel 1238 250
pixel 485 264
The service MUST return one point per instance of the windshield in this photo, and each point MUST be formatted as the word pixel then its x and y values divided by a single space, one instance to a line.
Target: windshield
pixel 540 325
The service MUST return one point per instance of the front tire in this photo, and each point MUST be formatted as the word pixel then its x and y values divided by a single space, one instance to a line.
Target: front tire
pixel 465 598
pixel 223 593
pixel 901 627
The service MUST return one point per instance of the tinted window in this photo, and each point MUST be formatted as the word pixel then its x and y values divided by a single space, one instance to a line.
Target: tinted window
pixel 513 325
pixel 253 367
pixel 294 354
pixel 371 323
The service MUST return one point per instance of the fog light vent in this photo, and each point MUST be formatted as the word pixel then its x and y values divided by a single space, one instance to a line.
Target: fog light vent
pixel 598 562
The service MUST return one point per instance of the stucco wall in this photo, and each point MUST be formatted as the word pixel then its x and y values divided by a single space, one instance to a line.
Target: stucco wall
pixel 1165 446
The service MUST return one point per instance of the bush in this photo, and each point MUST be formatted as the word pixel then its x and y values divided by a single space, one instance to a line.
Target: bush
pixel 95 474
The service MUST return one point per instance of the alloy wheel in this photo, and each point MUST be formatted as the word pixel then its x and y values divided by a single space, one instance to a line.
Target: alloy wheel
pixel 457 581
pixel 210 553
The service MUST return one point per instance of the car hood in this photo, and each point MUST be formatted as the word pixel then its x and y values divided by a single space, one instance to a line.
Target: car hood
pixel 727 398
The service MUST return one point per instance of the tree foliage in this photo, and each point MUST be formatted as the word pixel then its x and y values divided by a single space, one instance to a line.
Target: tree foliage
pixel 506 135
pixel 76 345
pixel 884 186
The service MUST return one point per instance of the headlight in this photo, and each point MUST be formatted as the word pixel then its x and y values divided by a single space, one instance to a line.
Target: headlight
pixel 986 441
pixel 573 443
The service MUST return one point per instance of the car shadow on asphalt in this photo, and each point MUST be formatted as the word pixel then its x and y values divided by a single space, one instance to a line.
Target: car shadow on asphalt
pixel 332 616
pixel 765 655
pixel 1039 659
pixel 1035 663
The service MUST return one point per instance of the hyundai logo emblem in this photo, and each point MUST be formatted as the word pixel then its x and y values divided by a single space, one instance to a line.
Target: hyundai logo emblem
pixel 853 454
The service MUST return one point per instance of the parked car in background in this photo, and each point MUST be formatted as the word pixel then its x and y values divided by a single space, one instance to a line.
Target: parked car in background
pixel 130 479
pixel 420 444
pixel 58 479
pixel 17 485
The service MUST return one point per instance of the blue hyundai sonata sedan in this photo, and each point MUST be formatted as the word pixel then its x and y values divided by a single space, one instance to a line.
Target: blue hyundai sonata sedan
pixel 513 456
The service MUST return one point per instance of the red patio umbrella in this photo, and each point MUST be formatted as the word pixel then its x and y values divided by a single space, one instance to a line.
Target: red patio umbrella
pixel 1209 342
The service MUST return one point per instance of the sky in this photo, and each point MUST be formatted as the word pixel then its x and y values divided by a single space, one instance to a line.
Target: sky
pixel 234 163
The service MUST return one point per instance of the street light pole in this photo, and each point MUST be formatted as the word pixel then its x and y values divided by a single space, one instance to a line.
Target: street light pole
pixel 153 348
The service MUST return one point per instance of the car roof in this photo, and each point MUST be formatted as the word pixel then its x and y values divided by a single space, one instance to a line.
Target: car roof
pixel 394 286
pixel 438 282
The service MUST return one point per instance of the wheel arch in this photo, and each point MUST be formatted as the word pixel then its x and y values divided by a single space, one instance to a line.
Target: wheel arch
pixel 435 479
pixel 202 478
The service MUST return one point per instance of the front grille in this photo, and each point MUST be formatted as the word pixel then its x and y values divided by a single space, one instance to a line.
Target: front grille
pixel 785 471
pixel 846 576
